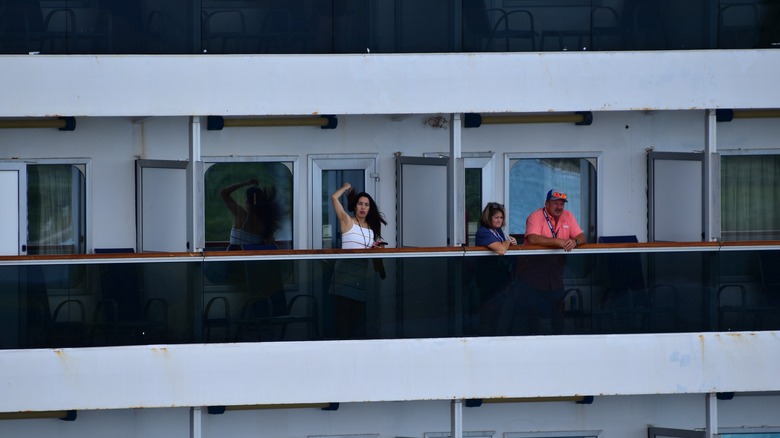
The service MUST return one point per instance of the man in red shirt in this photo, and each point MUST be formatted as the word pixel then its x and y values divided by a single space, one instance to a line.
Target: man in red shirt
pixel 553 226
pixel 540 278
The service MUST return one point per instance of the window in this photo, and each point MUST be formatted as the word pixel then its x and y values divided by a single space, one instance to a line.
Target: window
pixel 327 174
pixel 750 191
pixel 530 178
pixel 332 180
pixel 272 174
pixel 56 209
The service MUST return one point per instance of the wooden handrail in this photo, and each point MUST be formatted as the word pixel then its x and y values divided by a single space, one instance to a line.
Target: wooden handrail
pixel 438 249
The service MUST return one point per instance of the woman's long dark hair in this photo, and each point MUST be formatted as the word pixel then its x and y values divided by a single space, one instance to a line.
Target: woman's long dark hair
pixel 261 202
pixel 374 219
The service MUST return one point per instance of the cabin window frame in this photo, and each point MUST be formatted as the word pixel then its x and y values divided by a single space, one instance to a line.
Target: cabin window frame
pixel 290 161
pixel 591 228
pixel 319 163
pixel 85 165
pixel 731 153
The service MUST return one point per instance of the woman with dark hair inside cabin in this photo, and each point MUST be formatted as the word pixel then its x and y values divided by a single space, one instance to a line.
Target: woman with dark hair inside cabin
pixel 363 230
pixel 254 225
pixel 257 220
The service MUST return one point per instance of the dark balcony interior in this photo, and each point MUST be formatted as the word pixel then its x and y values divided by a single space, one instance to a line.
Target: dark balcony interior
pixel 372 26
pixel 82 303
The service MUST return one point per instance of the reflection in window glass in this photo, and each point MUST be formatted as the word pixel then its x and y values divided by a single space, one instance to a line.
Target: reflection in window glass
pixel 531 178
pixel 750 191
pixel 56 209
pixel 219 220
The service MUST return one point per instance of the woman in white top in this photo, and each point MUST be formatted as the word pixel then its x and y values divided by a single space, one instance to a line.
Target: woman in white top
pixel 364 229
pixel 351 276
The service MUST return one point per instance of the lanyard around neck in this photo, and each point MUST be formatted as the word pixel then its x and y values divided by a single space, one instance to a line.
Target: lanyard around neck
pixel 365 239
pixel 549 224
pixel 498 236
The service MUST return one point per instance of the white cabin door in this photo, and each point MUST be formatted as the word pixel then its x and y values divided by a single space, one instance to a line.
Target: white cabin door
pixel 328 174
pixel 162 205
pixel 675 197
pixel 13 198
pixel 422 201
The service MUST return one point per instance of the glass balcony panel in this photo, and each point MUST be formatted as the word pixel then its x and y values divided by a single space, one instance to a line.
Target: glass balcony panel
pixel 399 26
pixel 253 297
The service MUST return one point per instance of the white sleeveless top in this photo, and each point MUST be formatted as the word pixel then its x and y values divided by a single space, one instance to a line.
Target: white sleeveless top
pixel 241 237
pixel 357 238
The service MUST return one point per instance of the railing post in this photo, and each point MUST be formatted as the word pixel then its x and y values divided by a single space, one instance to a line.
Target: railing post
pixel 456 419
pixel 711 180
pixel 711 422
pixel 195 233
pixel 196 422
pixel 456 230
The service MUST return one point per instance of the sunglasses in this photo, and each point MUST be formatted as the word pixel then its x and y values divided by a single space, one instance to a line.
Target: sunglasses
pixel 496 205
pixel 559 195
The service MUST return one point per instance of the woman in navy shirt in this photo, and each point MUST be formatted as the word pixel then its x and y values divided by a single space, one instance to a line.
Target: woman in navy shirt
pixel 491 229
pixel 493 275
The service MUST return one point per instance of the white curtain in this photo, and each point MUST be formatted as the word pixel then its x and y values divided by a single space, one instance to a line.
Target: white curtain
pixel 55 209
pixel 750 197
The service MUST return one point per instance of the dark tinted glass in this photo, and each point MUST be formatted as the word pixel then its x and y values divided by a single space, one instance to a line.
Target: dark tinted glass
pixel 249 297
pixel 399 26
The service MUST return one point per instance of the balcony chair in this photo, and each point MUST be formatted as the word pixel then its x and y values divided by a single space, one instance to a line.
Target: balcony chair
pixel 770 287
pixel 574 310
pixel 606 29
pixel 742 307
pixel 228 27
pixel 122 315
pixel 513 25
pixel 68 324
pixel 738 26
pixel 216 315
pixel 267 313
pixel 628 303
pixel 478 23
pixel 59 31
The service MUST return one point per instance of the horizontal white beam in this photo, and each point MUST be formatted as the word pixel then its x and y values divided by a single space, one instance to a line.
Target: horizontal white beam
pixel 387 370
pixel 234 85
